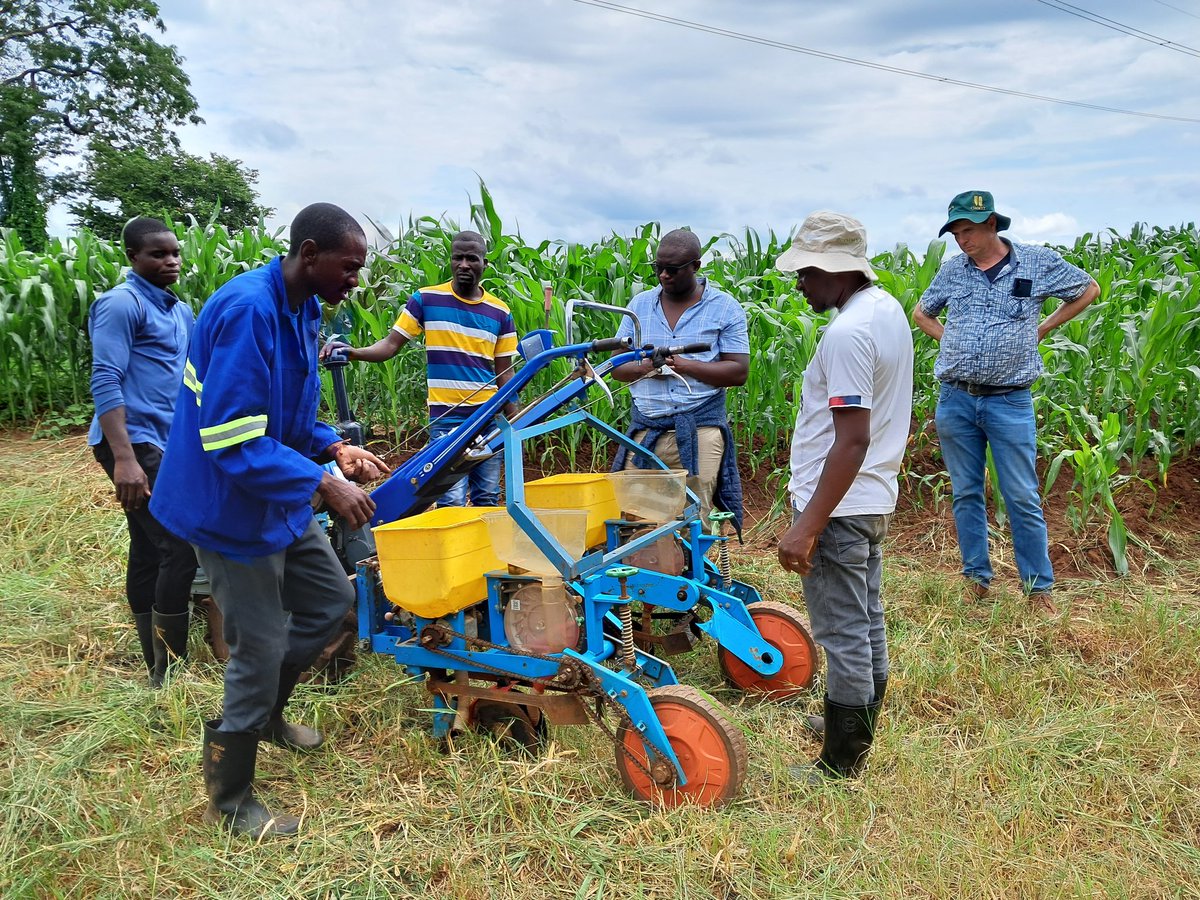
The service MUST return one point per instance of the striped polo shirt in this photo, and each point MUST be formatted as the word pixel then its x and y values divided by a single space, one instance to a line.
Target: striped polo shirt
pixel 463 338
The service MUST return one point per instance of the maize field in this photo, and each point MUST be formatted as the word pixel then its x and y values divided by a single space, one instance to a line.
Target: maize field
pixel 1120 397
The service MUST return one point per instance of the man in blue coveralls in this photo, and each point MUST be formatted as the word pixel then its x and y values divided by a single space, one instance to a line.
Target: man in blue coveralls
pixel 241 467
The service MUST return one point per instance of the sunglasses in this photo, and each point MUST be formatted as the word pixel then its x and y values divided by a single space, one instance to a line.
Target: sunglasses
pixel 672 271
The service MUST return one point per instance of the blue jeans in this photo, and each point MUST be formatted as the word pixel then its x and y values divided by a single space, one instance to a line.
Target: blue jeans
pixel 966 426
pixel 483 480
pixel 841 593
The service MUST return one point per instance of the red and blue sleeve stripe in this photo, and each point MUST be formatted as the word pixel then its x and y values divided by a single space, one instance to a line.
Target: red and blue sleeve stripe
pixel 848 400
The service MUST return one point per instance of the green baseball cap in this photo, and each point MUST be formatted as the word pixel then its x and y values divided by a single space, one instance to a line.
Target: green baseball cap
pixel 975 206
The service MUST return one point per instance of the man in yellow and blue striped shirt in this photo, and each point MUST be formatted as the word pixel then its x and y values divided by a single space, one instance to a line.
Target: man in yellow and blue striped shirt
pixel 470 340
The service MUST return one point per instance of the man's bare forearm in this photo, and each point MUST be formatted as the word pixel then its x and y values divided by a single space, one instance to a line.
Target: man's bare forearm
pixel 928 324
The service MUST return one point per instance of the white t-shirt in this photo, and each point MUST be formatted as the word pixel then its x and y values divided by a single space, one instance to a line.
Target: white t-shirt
pixel 864 359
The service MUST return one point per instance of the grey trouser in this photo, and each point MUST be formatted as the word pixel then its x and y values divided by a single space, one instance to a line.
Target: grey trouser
pixel 842 595
pixel 280 611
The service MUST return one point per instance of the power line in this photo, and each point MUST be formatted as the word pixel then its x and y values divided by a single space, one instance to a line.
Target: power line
pixel 1080 13
pixel 1177 9
pixel 879 67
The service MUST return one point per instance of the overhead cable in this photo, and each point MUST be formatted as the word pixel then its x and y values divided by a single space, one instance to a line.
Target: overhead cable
pixel 1177 9
pixel 1080 13
pixel 866 64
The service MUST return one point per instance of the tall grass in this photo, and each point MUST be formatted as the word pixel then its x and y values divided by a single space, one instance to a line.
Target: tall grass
pixel 1015 758
pixel 1122 382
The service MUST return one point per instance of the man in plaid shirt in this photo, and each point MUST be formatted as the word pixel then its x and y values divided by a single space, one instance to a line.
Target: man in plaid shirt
pixel 987 360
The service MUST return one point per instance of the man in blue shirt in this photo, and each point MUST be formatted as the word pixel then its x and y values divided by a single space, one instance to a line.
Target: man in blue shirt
pixel 987 360
pixel 242 465
pixel 679 410
pixel 139 333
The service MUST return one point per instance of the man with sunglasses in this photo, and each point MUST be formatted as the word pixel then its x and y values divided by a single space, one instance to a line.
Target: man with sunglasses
pixel 679 408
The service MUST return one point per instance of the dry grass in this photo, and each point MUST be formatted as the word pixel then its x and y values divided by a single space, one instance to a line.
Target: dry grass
pixel 1016 758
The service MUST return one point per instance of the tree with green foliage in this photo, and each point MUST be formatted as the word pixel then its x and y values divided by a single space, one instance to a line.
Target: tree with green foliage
pixel 120 184
pixel 21 208
pixel 73 71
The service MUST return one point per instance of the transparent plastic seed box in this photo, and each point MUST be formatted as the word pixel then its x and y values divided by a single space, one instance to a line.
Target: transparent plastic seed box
pixel 590 491
pixel 513 546
pixel 654 495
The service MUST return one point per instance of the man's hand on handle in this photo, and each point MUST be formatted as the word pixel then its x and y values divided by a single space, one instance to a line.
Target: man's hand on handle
pixel 359 464
pixel 332 347
pixel 346 500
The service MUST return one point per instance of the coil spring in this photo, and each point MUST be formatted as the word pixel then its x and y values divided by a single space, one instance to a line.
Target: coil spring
pixel 723 567
pixel 625 614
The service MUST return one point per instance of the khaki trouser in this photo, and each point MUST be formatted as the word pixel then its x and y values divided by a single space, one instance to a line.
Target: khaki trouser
pixel 710 448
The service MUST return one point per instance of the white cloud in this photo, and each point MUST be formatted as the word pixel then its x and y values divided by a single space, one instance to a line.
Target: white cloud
pixel 1055 227
pixel 583 121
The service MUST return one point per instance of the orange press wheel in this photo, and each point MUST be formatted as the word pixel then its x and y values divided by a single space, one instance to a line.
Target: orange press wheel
pixel 710 749
pixel 782 626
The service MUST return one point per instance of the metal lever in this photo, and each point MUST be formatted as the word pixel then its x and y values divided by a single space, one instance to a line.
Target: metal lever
pixel 572 305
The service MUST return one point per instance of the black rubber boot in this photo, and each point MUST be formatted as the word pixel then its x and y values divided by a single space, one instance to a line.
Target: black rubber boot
pixel 229 779
pixel 287 734
pixel 816 724
pixel 170 644
pixel 145 632
pixel 848 738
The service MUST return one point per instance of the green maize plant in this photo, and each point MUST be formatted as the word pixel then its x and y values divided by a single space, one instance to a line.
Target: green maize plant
pixel 45 352
pixel 1120 393
pixel 212 254
pixel 1122 381
pixel 906 277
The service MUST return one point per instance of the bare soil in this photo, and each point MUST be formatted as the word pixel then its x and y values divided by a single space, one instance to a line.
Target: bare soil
pixel 1161 519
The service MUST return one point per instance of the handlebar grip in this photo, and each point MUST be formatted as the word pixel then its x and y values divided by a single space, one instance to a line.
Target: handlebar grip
pixel 689 348
pixel 608 345
pixel 337 359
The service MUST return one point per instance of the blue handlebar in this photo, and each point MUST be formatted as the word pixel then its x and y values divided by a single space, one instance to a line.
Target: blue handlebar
pixel 417 483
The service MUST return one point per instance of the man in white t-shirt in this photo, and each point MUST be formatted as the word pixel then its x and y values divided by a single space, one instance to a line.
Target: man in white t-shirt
pixel 851 431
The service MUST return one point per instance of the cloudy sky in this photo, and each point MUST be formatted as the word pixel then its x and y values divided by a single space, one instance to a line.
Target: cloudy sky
pixel 584 120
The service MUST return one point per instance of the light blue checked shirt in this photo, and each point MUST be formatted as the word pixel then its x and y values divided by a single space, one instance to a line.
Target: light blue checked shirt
pixel 991 332
pixel 717 320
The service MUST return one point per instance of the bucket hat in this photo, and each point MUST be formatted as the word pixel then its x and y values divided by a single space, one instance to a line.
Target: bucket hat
pixel 829 241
